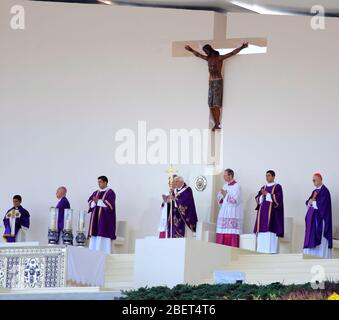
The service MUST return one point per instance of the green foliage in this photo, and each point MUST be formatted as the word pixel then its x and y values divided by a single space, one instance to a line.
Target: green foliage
pixel 274 291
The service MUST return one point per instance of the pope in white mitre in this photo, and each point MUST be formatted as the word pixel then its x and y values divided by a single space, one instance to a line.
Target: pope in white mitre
pixel 230 218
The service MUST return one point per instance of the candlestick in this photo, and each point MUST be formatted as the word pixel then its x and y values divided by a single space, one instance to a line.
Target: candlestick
pixel 52 232
pixel 68 219
pixel 53 218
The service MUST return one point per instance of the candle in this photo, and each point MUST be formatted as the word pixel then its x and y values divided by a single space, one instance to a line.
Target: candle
pixel 68 219
pixel 52 223
pixel 68 225
pixel 81 225
pixel 53 218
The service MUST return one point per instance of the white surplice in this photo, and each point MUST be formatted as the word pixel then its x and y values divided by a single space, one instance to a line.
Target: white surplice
pixel 267 242
pixel 322 250
pixel 163 219
pixel 101 244
pixel 230 218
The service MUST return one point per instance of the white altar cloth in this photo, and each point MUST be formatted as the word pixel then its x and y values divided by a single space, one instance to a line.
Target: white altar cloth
pixel 85 266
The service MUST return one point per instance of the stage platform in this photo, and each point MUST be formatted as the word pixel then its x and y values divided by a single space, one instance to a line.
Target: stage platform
pixel 175 261
pixel 168 262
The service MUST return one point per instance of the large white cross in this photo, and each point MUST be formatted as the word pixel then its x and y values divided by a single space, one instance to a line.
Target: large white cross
pixel 219 40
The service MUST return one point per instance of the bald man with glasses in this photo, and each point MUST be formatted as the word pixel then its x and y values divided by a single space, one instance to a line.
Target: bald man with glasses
pixel 62 205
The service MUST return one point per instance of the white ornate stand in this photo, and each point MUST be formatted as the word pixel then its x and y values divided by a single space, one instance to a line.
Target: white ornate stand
pixel 25 266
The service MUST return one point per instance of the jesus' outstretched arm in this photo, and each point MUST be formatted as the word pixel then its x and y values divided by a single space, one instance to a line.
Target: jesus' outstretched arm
pixel 234 52
pixel 196 53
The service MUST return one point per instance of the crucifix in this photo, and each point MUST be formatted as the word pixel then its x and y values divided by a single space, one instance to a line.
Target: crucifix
pixel 224 46
pixel 215 60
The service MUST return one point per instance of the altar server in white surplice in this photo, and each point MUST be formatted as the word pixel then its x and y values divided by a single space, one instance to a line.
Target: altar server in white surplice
pixel 230 219
pixel 164 211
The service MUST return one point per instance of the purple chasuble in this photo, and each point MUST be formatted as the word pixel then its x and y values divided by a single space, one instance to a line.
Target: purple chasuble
pixel 103 220
pixel 183 213
pixel 22 221
pixel 270 215
pixel 319 220
pixel 62 205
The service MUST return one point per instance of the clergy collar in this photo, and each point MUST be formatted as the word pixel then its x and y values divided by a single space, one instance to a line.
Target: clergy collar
pixel 232 183
pixel 181 188
pixel 270 184
pixel 319 187
pixel 103 190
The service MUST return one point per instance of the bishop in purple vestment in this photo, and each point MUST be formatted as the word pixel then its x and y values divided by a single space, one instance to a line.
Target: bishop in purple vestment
pixel 16 219
pixel 63 204
pixel 318 234
pixel 102 226
pixel 269 223
pixel 183 220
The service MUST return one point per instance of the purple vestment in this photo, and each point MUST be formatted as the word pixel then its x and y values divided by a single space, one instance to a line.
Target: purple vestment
pixel 270 216
pixel 183 213
pixel 103 219
pixel 62 205
pixel 319 220
pixel 22 221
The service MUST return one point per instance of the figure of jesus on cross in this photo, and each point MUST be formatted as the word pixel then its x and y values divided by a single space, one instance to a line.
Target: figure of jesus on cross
pixel 216 83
